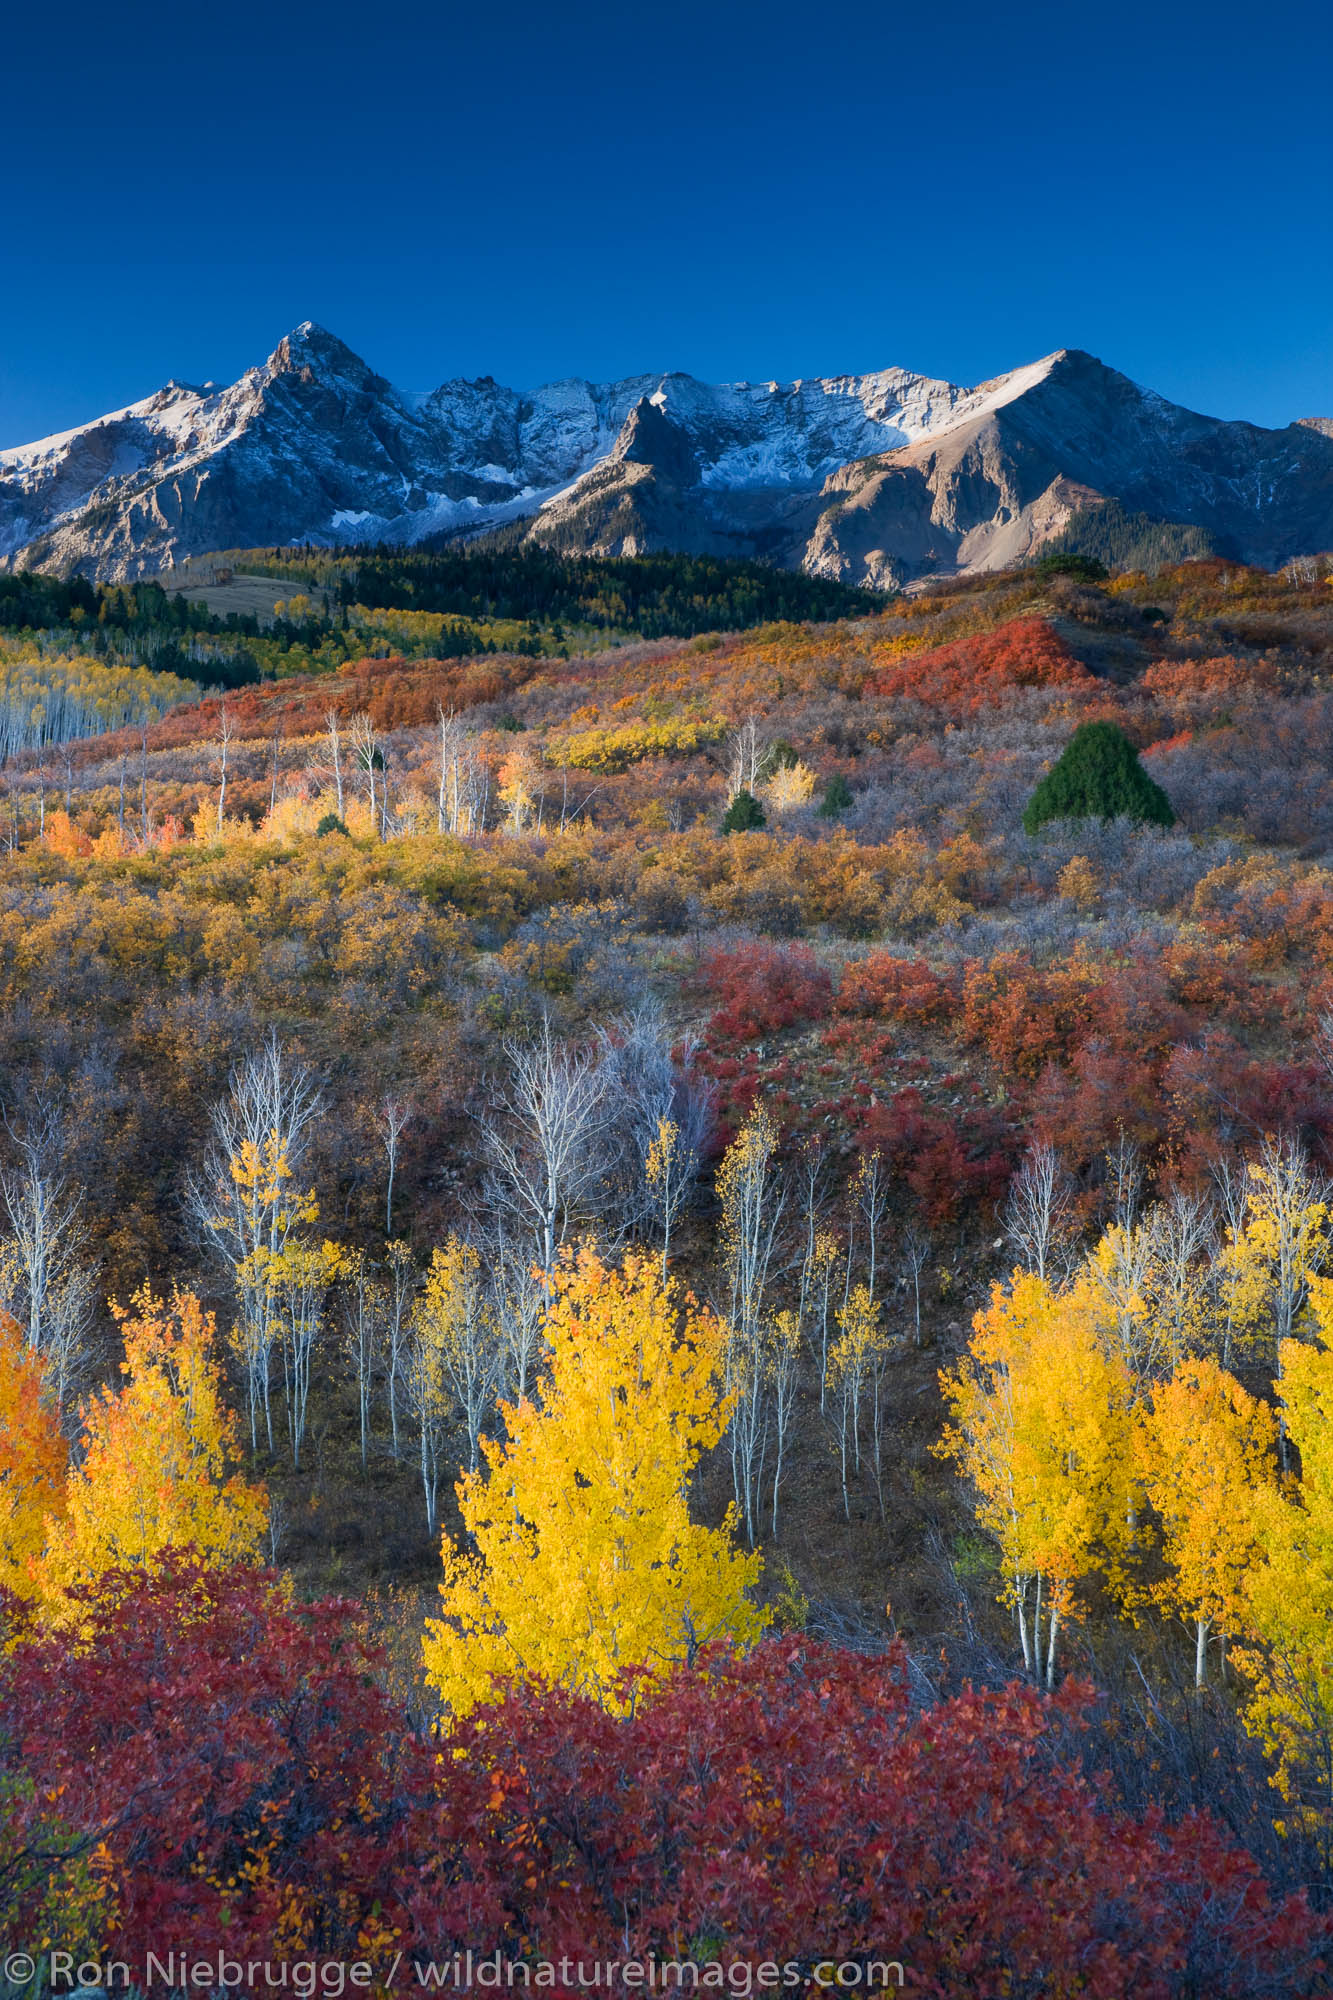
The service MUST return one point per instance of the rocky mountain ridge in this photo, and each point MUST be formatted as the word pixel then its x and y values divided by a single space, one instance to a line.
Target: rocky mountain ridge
pixel 868 478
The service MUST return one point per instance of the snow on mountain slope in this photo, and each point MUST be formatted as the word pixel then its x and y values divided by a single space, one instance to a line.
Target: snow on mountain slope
pixel 877 476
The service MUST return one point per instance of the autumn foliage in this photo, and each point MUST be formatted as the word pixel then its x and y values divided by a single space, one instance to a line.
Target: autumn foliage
pixel 251 1788
pixel 584 1558
pixel 159 1465
pixel 33 1456
pixel 975 671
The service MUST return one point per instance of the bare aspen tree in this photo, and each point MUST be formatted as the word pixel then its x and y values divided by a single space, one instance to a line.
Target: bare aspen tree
pixel 447 803
pixel 811 1174
pixel 54 1286
pixel 749 758
pixel 1124 1174
pixel 916 1253
pixel 299 1278
pixel 650 1086
pixel 428 1400
pixel 386 826
pixel 452 1317
pixel 392 1118
pixel 516 1302
pixel 402 1282
pixel 753 1199
pixel 143 784
pixel 667 1181
pixel 1231 1179
pixel 278 1523
pixel 1182 1233
pixel 1038 1214
pixel 333 756
pixel 460 808
pixel 226 731
pixel 817 1274
pixel 881 1352
pixel 1120 1268
pixel 243 1200
pixel 365 1301
pixel 546 1138
pixel 870 1191
pixel 274 753
pixel 784 1357
pixel 368 759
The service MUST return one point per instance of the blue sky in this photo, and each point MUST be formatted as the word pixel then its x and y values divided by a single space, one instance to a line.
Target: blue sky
pixel 732 189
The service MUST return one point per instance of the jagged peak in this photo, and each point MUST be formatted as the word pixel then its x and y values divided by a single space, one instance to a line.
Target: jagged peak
pixel 312 346
pixel 648 437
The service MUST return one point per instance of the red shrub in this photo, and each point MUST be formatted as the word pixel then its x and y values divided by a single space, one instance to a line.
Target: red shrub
pixel 1175 680
pixel 763 988
pixel 971 672
pixel 904 989
pixel 254 1793
pixel 947 1159
pixel 214 1733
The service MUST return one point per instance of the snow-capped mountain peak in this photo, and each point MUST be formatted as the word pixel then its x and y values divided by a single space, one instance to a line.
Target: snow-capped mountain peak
pixel 312 445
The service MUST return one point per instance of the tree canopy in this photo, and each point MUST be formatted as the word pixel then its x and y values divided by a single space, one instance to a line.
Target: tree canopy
pixel 1098 776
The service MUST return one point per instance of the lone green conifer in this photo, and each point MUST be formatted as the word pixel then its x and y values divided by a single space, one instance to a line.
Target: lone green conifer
pixel 1098 776
pixel 837 797
pixel 743 814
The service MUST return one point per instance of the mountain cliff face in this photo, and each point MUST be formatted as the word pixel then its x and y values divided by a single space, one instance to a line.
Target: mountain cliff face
pixel 867 478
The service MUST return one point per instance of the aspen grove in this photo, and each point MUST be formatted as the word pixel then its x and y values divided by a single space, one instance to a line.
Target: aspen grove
pixel 666 1281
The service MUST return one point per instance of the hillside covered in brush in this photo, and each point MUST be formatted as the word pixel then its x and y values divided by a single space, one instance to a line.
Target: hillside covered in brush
pixel 535 988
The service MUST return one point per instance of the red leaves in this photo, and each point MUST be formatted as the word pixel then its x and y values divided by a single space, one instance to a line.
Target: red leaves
pixel 903 989
pixel 947 1159
pixel 762 989
pixel 971 672
pixel 232 1749
pixel 252 1783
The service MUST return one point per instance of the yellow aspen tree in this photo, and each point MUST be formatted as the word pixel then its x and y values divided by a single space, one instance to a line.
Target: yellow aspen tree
pixel 850 1368
pixel 584 1559
pixel 1204 1449
pixel 160 1458
pixel 790 787
pixel 33 1457
pixel 521 790
pixel 298 1279
pixel 821 1262
pixel 1287 1656
pixel 1275 1256
pixel 1040 1428
pixel 262 1219
pixel 458 1328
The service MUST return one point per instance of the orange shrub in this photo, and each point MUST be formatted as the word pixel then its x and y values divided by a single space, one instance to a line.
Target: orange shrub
pixel 974 671
pixel 905 989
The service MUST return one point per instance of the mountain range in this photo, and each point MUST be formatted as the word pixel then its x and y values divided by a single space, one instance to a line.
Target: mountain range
pixel 876 479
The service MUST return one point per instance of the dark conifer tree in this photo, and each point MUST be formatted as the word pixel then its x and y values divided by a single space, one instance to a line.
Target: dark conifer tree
pixel 1098 776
